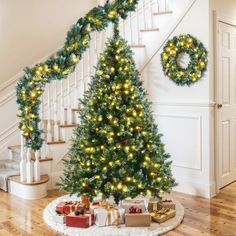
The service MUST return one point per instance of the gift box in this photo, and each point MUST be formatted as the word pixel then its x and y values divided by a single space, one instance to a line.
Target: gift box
pixel 167 203
pixel 163 215
pixel 59 218
pixel 137 219
pixel 136 203
pixel 80 220
pixel 85 200
pixel 67 207
pixel 107 214
pixel 154 205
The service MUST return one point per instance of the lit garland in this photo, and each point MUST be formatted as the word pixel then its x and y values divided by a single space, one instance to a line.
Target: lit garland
pixel 61 64
pixel 116 149
pixel 198 59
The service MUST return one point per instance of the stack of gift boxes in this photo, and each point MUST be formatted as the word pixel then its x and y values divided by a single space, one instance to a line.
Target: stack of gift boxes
pixel 132 213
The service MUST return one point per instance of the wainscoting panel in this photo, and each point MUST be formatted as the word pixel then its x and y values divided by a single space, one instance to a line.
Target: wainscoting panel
pixel 183 139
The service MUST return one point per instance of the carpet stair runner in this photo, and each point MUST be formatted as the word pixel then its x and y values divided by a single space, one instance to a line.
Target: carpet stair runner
pixel 8 168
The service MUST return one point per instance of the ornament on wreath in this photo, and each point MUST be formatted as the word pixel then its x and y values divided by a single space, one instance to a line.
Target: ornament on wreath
pixel 177 47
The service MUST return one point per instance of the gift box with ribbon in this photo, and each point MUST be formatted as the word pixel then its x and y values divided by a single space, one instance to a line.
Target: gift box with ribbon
pixel 80 219
pixel 163 215
pixel 108 214
pixel 167 203
pixel 137 219
pixel 153 205
pixel 66 207
pixel 136 203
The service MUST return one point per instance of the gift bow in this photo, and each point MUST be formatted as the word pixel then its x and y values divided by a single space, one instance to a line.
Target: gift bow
pixel 128 201
pixel 161 212
pixel 73 204
pixel 111 208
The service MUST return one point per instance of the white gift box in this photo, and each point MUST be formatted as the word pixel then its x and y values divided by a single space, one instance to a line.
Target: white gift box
pixel 137 203
pixel 109 216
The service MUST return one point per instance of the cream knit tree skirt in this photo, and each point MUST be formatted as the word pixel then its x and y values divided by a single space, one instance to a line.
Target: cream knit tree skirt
pixel 154 230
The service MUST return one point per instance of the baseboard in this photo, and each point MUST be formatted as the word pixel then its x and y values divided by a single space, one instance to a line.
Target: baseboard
pixel 196 188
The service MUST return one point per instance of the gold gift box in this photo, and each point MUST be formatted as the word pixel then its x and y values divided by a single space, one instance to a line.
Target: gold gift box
pixel 137 219
pixel 163 215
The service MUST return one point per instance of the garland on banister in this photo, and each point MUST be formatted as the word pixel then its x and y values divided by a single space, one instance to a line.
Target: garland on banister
pixel 61 64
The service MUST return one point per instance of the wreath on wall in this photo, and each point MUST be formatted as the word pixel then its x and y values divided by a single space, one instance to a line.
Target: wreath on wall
pixel 177 46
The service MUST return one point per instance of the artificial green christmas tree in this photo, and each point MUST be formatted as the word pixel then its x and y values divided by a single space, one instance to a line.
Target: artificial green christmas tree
pixel 117 149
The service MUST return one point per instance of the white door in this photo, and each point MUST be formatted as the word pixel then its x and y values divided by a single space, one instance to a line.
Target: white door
pixel 226 104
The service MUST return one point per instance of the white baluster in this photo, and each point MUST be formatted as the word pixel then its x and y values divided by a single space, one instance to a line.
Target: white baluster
pixel 62 108
pixel 49 126
pixel 37 167
pixel 55 127
pixel 130 28
pixel 23 161
pixel 69 108
pixel 41 126
pixel 76 90
pixel 29 169
pixel 10 153
pixel 144 14
pixel 138 26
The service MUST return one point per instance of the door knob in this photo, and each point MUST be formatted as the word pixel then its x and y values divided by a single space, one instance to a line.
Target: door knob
pixel 219 105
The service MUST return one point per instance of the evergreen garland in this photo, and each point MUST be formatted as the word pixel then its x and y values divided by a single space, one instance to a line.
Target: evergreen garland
pixel 61 64
pixel 198 59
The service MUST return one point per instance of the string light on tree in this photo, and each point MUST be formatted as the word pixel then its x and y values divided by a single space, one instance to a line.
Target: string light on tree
pixel 122 147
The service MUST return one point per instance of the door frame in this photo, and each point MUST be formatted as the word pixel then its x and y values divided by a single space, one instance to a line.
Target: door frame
pixel 218 17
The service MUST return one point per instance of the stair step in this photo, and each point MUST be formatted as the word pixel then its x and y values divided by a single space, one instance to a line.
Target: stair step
pixel 137 46
pixel 162 13
pixel 44 159
pixel 56 142
pixel 14 147
pixel 149 30
pixel 5 173
pixel 68 126
pixel 44 179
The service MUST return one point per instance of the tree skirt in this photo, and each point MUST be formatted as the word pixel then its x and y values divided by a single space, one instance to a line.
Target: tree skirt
pixel 154 230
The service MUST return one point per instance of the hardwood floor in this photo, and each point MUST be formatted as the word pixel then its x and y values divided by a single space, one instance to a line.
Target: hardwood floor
pixel 215 217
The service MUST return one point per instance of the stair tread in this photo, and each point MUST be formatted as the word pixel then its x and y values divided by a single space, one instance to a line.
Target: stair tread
pixel 68 126
pixel 162 13
pixel 151 29
pixel 14 147
pixel 56 142
pixel 137 46
pixel 44 179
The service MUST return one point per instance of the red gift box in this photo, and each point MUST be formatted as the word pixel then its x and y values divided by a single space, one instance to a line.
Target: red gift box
pixel 81 221
pixel 69 206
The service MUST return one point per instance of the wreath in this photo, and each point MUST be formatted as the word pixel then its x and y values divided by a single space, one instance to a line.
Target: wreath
pixel 197 55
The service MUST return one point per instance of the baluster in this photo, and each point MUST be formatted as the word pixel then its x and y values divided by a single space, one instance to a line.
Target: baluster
pixel 138 26
pixel 130 28
pixel 144 14
pixel 55 127
pixel 69 108
pixel 37 167
pixel 49 126
pixel 123 26
pixel 29 169
pixel 62 115
pixel 76 90
pixel 23 161
pixel 11 154
pixel 41 126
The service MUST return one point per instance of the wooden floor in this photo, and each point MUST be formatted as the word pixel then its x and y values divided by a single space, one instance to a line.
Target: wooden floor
pixel 203 217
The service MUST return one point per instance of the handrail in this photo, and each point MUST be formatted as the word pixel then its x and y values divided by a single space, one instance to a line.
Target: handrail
pixel 59 66
pixel 168 36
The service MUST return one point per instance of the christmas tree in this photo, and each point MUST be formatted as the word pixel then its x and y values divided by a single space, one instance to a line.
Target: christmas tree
pixel 117 149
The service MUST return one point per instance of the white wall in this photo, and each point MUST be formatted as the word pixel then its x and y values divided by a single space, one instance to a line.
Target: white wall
pixel 183 113
pixel 31 29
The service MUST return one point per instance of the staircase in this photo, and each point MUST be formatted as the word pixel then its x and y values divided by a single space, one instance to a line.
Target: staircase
pixel 145 30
